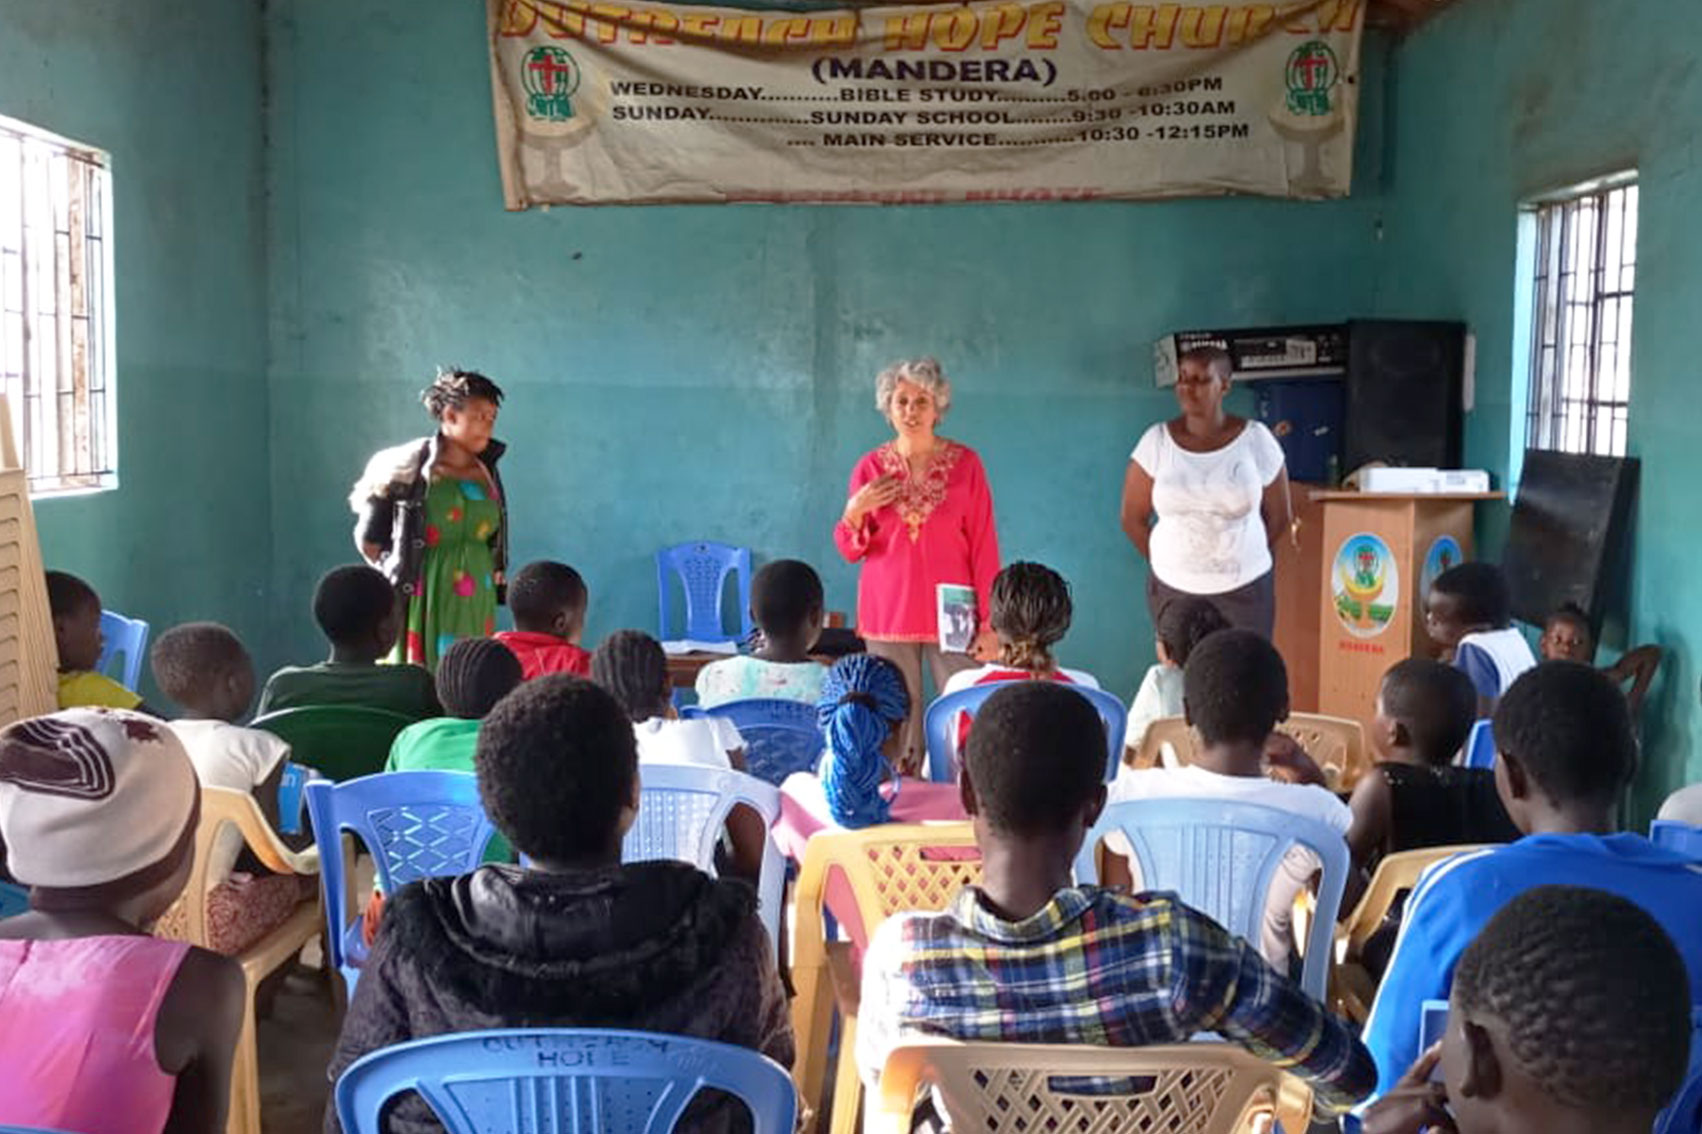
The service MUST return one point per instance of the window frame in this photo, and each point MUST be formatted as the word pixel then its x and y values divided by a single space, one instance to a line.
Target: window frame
pixel 78 181
pixel 1597 421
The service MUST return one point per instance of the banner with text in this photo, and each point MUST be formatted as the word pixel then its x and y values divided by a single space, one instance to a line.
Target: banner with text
pixel 993 100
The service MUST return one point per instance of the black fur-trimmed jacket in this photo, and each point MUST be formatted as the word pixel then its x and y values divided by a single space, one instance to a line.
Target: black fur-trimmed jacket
pixel 389 505
pixel 652 946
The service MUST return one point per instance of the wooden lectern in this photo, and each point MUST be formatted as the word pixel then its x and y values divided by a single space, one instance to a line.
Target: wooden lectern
pixel 1380 551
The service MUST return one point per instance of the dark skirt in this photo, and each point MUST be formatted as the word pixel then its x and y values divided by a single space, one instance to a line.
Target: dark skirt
pixel 1249 607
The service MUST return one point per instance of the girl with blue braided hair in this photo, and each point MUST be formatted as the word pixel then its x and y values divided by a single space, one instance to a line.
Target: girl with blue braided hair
pixel 862 708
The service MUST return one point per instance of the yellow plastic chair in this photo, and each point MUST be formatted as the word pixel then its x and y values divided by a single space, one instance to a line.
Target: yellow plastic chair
pixel 888 870
pixel 1203 1088
pixel 1351 988
pixel 1336 744
pixel 1173 731
pixel 186 920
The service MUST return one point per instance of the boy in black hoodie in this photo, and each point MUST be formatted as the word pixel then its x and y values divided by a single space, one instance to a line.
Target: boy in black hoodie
pixel 579 939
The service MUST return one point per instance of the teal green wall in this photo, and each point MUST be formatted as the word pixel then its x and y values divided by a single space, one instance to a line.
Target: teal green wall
pixel 171 88
pixel 1495 102
pixel 688 372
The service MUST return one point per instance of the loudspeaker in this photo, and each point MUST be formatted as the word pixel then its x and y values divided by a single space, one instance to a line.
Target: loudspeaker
pixel 1404 382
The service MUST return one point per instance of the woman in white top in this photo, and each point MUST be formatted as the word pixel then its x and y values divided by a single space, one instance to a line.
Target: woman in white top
pixel 1204 499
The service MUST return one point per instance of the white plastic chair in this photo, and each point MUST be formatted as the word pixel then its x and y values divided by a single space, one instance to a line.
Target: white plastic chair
pixel 1220 857
pixel 681 812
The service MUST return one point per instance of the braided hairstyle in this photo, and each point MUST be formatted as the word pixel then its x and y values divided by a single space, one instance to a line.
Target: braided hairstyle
pixel 473 675
pixel 631 665
pixel 862 698
pixel 1031 614
pixel 1592 993
pixel 453 388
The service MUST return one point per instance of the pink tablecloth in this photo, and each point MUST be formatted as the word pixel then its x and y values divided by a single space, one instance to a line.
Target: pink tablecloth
pixel 803 812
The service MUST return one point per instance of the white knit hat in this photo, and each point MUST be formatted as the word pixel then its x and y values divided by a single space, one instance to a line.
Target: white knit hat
pixel 90 796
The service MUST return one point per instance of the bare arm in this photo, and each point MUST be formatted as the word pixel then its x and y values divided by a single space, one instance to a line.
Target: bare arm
pixel 195 1039
pixel 1277 508
pixel 1372 808
pixel 1638 667
pixel 1137 508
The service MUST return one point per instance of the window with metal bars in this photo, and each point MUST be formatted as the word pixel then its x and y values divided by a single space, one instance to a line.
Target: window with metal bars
pixel 1586 258
pixel 56 308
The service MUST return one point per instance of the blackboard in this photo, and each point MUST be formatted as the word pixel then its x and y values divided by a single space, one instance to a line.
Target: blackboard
pixel 1567 539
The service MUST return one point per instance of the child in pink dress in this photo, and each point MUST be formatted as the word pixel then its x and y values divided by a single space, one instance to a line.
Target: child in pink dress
pixel 104 1029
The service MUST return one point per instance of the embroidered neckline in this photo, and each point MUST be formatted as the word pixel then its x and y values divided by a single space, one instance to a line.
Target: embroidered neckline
pixel 918 496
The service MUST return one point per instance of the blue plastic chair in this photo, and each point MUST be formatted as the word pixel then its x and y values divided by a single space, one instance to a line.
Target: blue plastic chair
pixel 781 737
pixel 563 1081
pixel 939 725
pixel 1480 747
pixel 1684 1114
pixel 702 568
pixel 126 639
pixel 415 825
pixel 682 809
pixel 1673 835
pixel 1220 856
pixel 14 900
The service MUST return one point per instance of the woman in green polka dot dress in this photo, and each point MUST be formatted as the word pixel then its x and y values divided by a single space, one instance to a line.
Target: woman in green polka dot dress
pixel 433 518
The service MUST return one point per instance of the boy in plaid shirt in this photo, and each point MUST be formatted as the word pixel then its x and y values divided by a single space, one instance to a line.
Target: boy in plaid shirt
pixel 1030 958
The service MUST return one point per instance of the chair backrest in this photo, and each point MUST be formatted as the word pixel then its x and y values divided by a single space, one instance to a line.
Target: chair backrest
pixel 889 868
pixel 415 825
pixel 187 920
pixel 1684 1114
pixel 1336 745
pixel 1220 857
pixel 781 737
pixel 1673 835
pixel 14 899
pixel 1173 731
pixel 1480 746
pixel 126 646
pixel 340 742
pixel 1188 1089
pixel 681 811
pixel 562 1080
pixel 1396 873
pixel 940 725
pixel 702 568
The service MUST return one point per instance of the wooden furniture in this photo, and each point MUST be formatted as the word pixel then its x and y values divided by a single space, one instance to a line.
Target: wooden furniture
pixel 1380 552
pixel 888 869
pixel 29 659
pixel 1299 566
pixel 186 920
pixel 1200 1088
pixel 1351 987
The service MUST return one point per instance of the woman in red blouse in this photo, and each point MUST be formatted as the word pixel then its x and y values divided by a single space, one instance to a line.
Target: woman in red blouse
pixel 919 514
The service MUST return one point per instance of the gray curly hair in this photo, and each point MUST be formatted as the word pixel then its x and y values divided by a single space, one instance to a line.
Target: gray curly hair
pixel 923 372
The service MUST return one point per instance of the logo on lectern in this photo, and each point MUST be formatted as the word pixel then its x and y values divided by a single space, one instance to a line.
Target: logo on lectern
pixel 1366 584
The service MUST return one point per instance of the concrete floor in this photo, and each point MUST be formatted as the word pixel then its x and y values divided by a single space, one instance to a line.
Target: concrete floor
pixel 296 1040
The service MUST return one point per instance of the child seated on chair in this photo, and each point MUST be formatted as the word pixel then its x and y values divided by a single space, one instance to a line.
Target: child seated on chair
pixel 356 609
pixel 1027 957
pixel 1569 636
pixel 630 664
pixel 1469 613
pixel 578 939
pixel 786 605
pixel 205 670
pixel 1415 796
pixel 1182 624
pixel 1570 1011
pixel 1235 691
pixel 548 601
pixel 103 1028
pixel 75 608
pixel 1566 754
